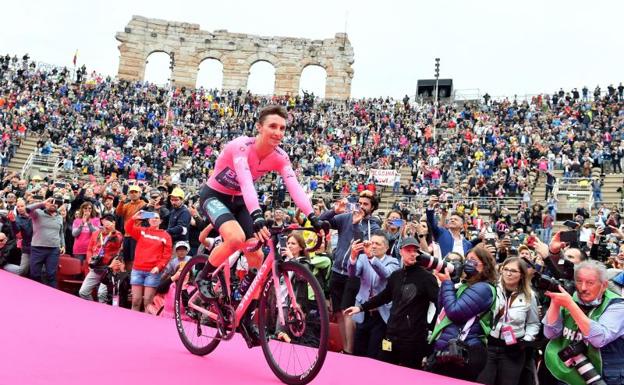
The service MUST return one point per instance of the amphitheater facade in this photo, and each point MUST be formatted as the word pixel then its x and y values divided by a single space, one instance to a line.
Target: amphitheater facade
pixel 237 52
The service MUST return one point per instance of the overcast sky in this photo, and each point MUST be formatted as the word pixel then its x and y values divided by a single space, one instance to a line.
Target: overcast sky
pixel 498 46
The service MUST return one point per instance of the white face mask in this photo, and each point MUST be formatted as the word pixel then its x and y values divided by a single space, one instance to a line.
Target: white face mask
pixel 593 303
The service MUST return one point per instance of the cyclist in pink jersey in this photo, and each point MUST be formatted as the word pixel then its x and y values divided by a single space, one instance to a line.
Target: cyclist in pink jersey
pixel 229 197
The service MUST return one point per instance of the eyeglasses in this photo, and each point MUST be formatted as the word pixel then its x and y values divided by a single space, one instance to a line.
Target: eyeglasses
pixel 511 271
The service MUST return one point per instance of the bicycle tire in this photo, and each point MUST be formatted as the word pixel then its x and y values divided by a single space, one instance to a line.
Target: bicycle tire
pixel 267 317
pixel 181 316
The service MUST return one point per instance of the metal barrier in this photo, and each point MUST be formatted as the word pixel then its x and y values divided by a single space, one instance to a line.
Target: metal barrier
pixel 50 163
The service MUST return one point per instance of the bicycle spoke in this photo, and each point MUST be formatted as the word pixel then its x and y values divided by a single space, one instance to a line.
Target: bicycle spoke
pixel 303 333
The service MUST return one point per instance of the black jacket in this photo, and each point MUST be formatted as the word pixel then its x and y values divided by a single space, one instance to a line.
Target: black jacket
pixel 410 289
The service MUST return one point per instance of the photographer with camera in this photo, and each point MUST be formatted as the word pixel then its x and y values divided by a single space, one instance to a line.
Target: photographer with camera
pixel 465 318
pixel 410 289
pixel 373 266
pixel 516 321
pixel 102 253
pixel 586 330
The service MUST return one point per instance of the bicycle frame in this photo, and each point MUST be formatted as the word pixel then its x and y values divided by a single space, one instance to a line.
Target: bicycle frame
pixel 269 267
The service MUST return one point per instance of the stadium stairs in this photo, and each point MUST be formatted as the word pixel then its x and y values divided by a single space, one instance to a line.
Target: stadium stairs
pixel 574 193
pixel 23 152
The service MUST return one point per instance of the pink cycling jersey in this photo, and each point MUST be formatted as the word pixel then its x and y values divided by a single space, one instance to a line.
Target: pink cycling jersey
pixel 238 167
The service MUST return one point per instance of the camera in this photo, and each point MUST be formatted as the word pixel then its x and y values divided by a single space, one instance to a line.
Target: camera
pixel 431 263
pixel 574 356
pixel 543 282
pixel 96 260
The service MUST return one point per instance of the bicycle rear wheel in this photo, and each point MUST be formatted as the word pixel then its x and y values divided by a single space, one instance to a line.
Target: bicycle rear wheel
pixel 295 351
pixel 198 333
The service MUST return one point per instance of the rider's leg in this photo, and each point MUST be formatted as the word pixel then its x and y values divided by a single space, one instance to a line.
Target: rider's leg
pixel 233 240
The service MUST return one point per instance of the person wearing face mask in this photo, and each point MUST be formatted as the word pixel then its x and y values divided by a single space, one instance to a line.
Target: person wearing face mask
pixel 515 322
pixel 48 240
pixel 587 324
pixel 465 318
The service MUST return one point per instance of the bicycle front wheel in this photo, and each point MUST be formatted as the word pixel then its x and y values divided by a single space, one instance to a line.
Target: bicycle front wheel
pixel 198 332
pixel 295 350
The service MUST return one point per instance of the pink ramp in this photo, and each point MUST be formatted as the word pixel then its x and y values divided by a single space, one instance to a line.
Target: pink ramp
pixel 49 337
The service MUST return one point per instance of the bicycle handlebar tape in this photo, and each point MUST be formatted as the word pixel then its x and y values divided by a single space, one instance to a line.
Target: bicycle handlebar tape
pixel 258 220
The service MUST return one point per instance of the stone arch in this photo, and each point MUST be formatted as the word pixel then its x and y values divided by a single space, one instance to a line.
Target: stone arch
pixel 262 80
pixel 262 56
pixel 237 52
pixel 210 73
pixel 311 76
pixel 157 68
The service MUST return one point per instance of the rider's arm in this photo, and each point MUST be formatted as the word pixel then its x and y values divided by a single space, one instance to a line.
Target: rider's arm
pixel 244 177
pixel 294 188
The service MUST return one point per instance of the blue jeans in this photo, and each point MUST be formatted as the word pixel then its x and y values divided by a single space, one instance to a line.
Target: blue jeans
pixel 546 234
pixel 48 256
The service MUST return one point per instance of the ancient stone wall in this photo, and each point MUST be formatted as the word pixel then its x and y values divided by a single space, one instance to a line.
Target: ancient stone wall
pixel 237 52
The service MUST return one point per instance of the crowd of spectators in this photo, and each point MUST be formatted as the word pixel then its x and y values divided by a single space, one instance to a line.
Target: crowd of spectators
pixel 482 322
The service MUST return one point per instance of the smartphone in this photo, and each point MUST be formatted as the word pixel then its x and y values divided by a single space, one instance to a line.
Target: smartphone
pixel 571 224
pixel 568 236
pixel 435 192
pixel 351 207
pixel 491 242
pixel 397 222
pixel 607 230
pixel 147 215
pixel 59 184
pixel 282 243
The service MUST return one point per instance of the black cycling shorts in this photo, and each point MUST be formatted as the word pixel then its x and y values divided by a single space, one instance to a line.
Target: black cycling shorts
pixel 220 208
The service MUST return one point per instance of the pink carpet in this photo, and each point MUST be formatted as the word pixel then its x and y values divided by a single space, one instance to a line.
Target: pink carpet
pixel 49 337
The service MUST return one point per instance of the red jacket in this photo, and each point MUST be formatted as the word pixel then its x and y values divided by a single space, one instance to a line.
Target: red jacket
pixel 111 249
pixel 154 247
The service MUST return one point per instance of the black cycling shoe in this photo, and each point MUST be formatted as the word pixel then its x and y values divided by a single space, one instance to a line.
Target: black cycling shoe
pixel 204 284
pixel 250 331
pixel 249 328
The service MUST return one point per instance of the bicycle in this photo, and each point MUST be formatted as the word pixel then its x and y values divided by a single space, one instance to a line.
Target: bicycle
pixel 292 312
